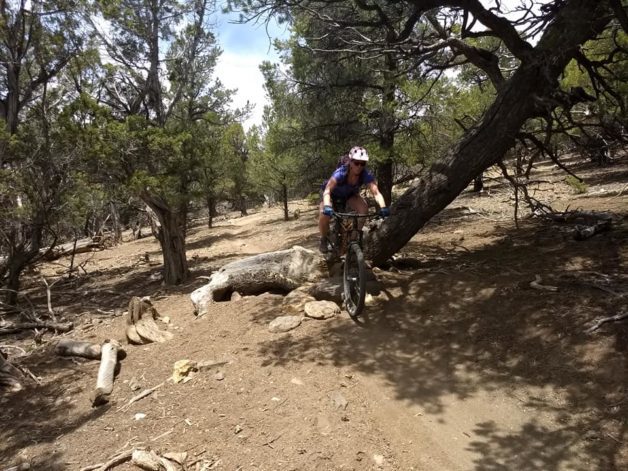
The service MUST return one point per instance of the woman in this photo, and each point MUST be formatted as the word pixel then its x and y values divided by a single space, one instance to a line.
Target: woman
pixel 343 188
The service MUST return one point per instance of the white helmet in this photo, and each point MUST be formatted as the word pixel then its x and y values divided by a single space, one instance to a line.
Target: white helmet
pixel 359 153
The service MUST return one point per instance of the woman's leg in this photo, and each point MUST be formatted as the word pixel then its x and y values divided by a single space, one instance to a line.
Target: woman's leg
pixel 323 221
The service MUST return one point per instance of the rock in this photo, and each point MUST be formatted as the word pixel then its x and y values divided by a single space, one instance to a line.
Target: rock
pixel 235 296
pixel 182 370
pixel 321 309
pixel 283 270
pixel 295 301
pixel 134 384
pixel 338 400
pixel 219 376
pixel 285 323
pixel 379 460
pixel 329 289
pixel 139 416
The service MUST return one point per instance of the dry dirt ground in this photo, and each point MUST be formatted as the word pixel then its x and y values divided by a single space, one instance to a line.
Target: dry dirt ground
pixel 460 364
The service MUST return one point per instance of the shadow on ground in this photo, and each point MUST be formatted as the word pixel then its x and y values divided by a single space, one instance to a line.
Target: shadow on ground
pixel 472 323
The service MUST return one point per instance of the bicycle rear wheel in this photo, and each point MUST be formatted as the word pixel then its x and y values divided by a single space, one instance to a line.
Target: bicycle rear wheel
pixel 354 280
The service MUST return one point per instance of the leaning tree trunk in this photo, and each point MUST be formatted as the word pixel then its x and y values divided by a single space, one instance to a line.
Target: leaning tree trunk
pixel 170 232
pixel 531 91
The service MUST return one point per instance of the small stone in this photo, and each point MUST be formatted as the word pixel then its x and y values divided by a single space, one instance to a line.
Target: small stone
pixel 296 381
pixel 139 416
pixel 338 400
pixel 321 309
pixel 235 296
pixel 285 323
pixel 238 429
pixel 219 376
pixel 134 384
pixel 379 460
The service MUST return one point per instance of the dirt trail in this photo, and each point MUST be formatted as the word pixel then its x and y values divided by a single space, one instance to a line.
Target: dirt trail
pixel 459 366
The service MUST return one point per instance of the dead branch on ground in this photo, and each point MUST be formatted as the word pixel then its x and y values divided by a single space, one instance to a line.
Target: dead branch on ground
pixel 616 318
pixel 56 326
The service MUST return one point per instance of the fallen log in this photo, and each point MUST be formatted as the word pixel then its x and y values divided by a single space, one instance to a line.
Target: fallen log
pixel 56 326
pixel 78 348
pixel 82 246
pixel 283 270
pixel 104 382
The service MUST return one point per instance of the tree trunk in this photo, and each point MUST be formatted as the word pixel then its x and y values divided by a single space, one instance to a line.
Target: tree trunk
pixel 170 232
pixel 531 91
pixel 115 221
pixel 284 195
pixel 211 210
pixel 385 180
pixel 478 183
pixel 387 131
pixel 243 206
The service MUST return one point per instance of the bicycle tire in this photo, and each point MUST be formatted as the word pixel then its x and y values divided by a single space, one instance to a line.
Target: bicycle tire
pixel 354 280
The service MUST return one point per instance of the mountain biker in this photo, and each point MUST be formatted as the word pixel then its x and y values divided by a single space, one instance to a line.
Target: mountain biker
pixel 343 188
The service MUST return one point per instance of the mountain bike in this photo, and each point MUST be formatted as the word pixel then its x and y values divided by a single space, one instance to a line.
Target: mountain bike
pixel 345 240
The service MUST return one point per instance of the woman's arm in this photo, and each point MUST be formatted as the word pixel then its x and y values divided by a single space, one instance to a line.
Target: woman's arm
pixel 377 195
pixel 331 184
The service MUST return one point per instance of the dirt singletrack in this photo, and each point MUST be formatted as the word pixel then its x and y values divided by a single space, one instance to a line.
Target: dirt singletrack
pixel 459 365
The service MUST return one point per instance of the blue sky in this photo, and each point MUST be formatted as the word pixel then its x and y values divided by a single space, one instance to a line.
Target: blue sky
pixel 245 46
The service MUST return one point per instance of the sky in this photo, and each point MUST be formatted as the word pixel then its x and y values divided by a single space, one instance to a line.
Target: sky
pixel 244 47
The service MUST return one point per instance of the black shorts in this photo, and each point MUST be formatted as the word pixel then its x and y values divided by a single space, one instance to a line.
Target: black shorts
pixel 339 204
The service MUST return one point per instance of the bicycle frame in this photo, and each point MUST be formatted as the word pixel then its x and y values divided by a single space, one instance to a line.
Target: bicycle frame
pixel 347 231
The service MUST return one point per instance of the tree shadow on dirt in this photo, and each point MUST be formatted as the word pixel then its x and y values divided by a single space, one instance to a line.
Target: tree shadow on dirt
pixel 41 414
pixel 472 324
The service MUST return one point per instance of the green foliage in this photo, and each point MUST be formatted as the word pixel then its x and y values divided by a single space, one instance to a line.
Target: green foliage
pixel 576 184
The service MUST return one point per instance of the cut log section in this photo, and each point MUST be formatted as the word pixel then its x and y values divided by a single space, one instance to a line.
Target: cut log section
pixel 78 348
pixel 141 326
pixel 104 382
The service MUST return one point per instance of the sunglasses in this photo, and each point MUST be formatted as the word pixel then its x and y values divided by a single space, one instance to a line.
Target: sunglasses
pixel 359 163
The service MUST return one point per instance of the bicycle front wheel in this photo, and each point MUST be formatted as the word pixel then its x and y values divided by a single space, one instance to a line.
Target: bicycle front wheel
pixel 354 280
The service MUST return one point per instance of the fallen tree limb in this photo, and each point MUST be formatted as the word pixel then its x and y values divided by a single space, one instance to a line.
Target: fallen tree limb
pixel 56 326
pixel 601 322
pixel 140 396
pixel 586 232
pixel 104 382
pixel 536 284
pixel 118 459
pixel 74 247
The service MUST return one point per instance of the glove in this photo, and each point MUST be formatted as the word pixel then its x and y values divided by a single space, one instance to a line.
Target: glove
pixel 384 212
pixel 328 210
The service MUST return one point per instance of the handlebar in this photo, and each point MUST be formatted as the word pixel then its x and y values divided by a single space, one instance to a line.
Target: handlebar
pixel 355 215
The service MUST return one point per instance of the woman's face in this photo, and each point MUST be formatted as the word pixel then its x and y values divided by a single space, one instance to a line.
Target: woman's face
pixel 357 165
